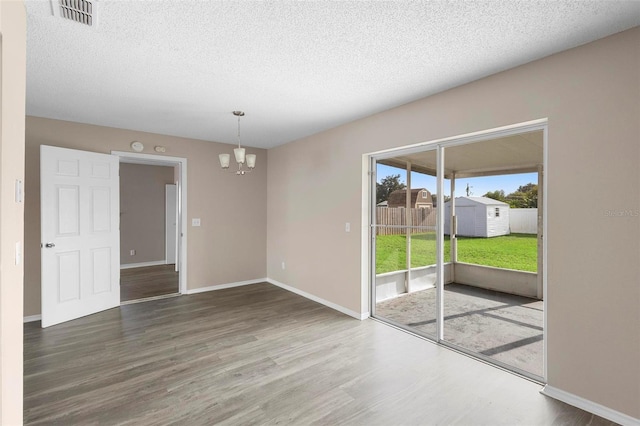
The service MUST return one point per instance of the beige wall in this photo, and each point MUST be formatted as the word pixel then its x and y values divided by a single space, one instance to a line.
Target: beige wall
pixel 142 212
pixel 228 247
pixel 13 73
pixel 591 96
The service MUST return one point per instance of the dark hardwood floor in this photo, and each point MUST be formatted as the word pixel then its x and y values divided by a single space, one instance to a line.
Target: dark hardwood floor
pixel 150 281
pixel 261 355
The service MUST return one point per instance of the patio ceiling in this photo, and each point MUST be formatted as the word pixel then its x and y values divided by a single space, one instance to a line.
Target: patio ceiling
pixel 521 153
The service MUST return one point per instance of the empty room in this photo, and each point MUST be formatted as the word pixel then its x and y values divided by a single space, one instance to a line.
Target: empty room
pixel 194 226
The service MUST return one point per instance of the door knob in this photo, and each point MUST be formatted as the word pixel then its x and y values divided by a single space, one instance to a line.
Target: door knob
pixel 49 245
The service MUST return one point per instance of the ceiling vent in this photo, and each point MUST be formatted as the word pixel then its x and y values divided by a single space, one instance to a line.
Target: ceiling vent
pixel 82 11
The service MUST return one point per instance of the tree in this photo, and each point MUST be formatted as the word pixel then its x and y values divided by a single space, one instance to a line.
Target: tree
pixel 386 186
pixel 526 196
pixel 434 199
pixel 498 194
pixel 530 187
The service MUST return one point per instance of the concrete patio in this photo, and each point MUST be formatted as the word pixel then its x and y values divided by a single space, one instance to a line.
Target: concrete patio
pixel 502 326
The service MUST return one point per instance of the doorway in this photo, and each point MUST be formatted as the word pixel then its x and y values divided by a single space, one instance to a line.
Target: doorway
pixel 148 245
pixel 154 272
pixel 450 268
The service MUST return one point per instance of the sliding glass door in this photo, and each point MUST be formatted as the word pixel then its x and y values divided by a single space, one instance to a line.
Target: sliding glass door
pixel 456 231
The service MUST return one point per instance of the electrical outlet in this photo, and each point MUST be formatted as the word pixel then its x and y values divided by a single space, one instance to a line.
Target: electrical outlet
pixel 132 252
pixel 195 221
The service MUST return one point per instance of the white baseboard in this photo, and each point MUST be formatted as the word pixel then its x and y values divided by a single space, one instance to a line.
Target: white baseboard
pixel 309 296
pixel 143 264
pixel 590 406
pixel 223 286
pixel 32 318
pixel 354 314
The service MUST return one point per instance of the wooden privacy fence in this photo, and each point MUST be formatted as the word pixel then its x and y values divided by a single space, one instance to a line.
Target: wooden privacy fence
pixel 391 221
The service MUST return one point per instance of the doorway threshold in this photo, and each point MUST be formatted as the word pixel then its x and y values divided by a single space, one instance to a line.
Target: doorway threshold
pixel 147 299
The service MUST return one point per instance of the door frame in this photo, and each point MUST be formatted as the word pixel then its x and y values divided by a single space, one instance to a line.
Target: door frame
pixel 181 163
pixel 369 180
pixel 173 208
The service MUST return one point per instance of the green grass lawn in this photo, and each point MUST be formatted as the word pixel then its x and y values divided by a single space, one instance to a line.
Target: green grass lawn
pixel 515 251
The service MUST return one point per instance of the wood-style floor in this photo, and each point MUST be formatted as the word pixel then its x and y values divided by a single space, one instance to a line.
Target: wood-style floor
pixel 261 355
pixel 150 281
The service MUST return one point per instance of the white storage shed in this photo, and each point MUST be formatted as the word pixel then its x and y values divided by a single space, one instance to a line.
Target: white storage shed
pixel 478 217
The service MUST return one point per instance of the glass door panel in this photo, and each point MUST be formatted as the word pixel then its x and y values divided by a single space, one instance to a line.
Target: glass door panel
pixel 490 306
pixel 405 250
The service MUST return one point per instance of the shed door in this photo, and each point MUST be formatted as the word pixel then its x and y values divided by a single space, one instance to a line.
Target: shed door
pixel 466 221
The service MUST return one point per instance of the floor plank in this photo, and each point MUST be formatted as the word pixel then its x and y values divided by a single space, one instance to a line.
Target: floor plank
pixel 261 355
pixel 149 281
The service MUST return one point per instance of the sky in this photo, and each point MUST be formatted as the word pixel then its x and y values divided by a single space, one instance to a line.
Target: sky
pixel 477 186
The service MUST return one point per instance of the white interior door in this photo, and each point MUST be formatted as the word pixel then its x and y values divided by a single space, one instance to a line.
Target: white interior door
pixel 171 224
pixel 79 194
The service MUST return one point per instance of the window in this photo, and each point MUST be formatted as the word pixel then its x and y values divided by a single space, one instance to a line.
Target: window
pixel 424 194
pixel 497 211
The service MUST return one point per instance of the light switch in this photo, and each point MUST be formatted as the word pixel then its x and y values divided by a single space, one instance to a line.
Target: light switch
pixel 195 221
pixel 347 227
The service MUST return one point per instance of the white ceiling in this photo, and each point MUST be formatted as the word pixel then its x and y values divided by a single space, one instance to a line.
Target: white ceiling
pixel 296 68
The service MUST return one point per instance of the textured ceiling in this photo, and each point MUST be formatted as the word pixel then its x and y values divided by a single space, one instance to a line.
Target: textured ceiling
pixel 296 68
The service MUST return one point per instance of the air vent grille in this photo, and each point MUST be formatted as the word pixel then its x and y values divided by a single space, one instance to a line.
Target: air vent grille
pixel 82 11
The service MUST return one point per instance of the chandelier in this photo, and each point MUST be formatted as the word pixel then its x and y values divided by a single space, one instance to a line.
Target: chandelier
pixel 239 153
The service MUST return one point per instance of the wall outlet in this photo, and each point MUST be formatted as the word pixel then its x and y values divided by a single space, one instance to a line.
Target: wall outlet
pixel 195 221
pixel 132 252
pixel 283 265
